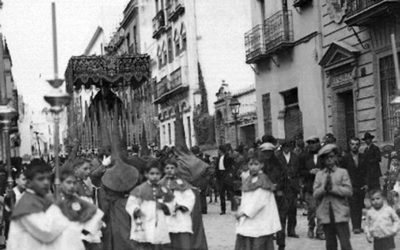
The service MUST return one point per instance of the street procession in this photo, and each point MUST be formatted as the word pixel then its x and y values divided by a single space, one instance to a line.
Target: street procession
pixel 199 124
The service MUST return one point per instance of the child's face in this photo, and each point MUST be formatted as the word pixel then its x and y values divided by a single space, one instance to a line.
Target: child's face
pixel 68 186
pixel 40 183
pixel 21 181
pixel 170 170
pixel 254 166
pixel 83 170
pixel 153 175
pixel 377 200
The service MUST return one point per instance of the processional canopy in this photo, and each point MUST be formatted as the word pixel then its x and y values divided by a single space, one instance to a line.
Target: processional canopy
pixel 107 71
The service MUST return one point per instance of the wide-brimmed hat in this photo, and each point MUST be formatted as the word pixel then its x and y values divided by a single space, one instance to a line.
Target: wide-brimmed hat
pixel 327 149
pixel 367 136
pixel 121 177
pixel 267 146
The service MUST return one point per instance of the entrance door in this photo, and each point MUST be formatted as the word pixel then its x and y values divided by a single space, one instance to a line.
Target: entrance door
pixel 346 126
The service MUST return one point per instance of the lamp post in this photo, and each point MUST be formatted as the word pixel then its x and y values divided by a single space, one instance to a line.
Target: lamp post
pixel 6 115
pixel 57 99
pixel 235 105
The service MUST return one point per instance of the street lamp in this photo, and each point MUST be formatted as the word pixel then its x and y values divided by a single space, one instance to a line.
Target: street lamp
pixel 57 100
pixel 235 105
pixel 7 113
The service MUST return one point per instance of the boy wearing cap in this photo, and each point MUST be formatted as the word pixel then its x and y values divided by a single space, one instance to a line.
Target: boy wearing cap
pixel 332 187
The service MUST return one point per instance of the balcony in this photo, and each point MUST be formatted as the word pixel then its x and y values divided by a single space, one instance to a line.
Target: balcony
pixel 365 12
pixel 166 89
pixel 274 35
pixel 158 24
pixel 175 9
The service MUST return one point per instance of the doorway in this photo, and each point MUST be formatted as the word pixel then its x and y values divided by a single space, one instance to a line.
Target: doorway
pixel 345 118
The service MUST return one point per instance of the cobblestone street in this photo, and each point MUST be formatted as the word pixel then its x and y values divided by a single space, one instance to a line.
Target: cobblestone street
pixel 220 232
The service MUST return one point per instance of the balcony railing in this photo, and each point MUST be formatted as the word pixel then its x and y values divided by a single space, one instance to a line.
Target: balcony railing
pixel 275 34
pixel 278 31
pixel 363 12
pixel 158 24
pixel 175 9
pixel 254 43
pixel 167 88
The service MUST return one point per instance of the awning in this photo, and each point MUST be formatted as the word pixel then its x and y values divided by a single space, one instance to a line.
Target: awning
pixel 107 71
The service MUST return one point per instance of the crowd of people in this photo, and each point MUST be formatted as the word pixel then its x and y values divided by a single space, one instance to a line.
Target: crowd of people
pixel 142 202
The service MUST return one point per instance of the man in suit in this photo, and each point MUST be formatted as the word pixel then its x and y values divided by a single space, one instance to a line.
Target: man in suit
pixel 309 167
pixel 290 162
pixel 372 161
pixel 225 175
pixel 354 163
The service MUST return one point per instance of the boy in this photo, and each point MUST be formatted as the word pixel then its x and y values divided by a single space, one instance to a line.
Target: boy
pixel 35 221
pixel 382 222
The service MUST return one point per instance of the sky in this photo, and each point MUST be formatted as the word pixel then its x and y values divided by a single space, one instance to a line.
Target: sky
pixel 27 27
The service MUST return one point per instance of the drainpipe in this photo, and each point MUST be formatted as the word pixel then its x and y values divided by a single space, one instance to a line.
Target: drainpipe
pixel 319 51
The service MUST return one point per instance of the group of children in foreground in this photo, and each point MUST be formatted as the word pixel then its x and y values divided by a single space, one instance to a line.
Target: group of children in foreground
pixel 160 210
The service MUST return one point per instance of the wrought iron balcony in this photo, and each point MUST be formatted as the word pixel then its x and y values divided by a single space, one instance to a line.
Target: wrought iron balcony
pixel 364 12
pixel 168 88
pixel 254 44
pixel 175 9
pixel 274 35
pixel 158 24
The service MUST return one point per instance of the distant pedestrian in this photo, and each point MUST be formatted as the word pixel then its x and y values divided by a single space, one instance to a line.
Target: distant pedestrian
pixel 225 177
pixel 382 223
pixel 332 187
pixel 257 217
pixel 372 161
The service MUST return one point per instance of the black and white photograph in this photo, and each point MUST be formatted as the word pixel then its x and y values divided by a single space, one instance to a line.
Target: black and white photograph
pixel 199 124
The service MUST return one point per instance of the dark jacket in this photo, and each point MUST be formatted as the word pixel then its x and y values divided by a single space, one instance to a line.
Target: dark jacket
pixel 292 168
pixel 357 173
pixel 306 164
pixel 226 176
pixel 372 162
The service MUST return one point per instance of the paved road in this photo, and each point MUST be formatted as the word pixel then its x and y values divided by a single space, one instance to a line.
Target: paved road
pixel 220 232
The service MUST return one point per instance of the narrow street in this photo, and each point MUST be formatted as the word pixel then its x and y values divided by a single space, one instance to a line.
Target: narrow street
pixel 220 232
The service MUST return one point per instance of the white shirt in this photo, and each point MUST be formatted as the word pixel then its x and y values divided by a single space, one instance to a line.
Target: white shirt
pixel 221 163
pixel 287 156
pixel 18 194
pixel 315 159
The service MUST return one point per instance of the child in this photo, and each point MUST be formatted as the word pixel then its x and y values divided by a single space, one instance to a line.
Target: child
pixel 148 205
pixel 13 197
pixel 35 221
pixel 258 217
pixel 83 216
pixel 382 223
pixel 180 223
pixel 84 186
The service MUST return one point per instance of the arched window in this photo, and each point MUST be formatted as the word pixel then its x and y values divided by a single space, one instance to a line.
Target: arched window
pixel 170 51
pixel 177 43
pixel 159 57
pixel 183 35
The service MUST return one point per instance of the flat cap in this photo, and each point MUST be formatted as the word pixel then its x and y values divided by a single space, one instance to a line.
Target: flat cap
pixel 267 146
pixel 312 138
pixel 327 149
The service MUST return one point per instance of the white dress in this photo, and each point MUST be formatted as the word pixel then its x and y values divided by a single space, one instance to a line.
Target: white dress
pixel 262 214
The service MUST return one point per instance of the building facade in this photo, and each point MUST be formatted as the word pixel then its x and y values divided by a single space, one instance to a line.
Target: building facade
pixel 225 130
pixel 195 50
pixel 283 47
pixel 358 67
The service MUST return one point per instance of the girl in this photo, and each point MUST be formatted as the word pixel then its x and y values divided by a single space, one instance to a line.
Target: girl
pixel 84 186
pixel 258 217
pixel 382 223
pixel 149 204
pixel 180 222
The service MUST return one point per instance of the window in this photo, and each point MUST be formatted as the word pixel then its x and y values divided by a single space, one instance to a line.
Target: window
pixel 390 118
pixel 183 35
pixel 170 51
pixel 266 105
pixel 177 43
pixel 164 133
pixel 189 131
pixel 128 40
pixel 159 57
pixel 135 48
pixel 169 134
